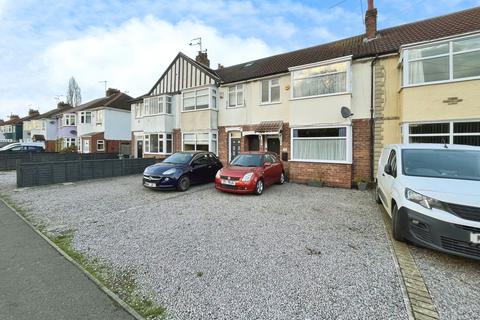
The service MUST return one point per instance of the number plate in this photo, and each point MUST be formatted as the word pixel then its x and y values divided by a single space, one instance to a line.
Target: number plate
pixel 150 184
pixel 228 182
pixel 475 237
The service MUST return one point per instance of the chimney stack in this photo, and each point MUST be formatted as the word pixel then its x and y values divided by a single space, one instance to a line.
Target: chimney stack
pixel 371 21
pixel 202 58
pixel 111 91
pixel 220 66
pixel 62 105
pixel 32 113
pixel 14 116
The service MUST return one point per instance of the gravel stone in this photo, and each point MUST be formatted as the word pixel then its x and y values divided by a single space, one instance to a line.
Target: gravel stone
pixel 296 252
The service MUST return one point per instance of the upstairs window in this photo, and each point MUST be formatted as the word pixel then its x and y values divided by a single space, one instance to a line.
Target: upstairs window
pixel 321 80
pixel 270 91
pixel 235 96
pixel 85 117
pixel 443 61
pixel 99 120
pixel 200 99
pixel 69 120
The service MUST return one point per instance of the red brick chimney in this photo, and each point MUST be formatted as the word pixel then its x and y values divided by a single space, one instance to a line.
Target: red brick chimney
pixel 111 91
pixel 202 58
pixel 371 21
pixel 32 113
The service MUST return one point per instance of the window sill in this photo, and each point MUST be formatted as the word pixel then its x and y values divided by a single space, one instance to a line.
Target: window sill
pixel 236 107
pixel 321 161
pixel 196 110
pixel 439 82
pixel 157 153
pixel 269 103
pixel 322 96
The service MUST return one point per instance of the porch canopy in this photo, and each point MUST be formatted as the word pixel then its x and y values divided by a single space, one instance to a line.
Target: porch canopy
pixel 269 127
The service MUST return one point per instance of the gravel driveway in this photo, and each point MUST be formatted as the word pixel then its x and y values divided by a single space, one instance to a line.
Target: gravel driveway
pixel 296 252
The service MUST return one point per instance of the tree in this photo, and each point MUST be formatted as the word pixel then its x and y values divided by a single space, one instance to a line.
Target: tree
pixel 74 94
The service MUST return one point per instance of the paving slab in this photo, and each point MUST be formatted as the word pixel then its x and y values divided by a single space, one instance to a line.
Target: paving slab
pixel 38 283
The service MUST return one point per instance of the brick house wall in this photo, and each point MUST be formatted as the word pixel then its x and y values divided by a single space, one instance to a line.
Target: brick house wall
pixel 177 140
pixel 110 146
pixel 361 149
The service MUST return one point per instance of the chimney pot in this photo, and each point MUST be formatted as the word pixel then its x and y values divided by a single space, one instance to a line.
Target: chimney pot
pixel 371 21
pixel 220 66
pixel 111 91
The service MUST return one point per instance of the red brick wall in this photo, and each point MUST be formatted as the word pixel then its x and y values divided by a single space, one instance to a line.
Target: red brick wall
pixel 332 174
pixel 51 146
pixel 177 140
pixel 222 145
pixel 361 148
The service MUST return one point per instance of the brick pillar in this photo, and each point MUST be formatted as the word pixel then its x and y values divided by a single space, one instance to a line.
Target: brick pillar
pixel 223 145
pixel 361 148
pixel 177 140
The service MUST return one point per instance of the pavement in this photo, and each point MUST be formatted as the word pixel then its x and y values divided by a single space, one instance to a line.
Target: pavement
pixel 38 283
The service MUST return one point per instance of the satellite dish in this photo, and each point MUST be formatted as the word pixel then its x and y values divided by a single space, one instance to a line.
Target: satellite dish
pixel 346 112
pixel 73 131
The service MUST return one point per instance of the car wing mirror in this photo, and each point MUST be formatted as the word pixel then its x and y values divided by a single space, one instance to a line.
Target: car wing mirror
pixel 267 164
pixel 388 169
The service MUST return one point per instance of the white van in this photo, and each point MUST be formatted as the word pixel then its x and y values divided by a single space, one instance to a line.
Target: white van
pixel 432 193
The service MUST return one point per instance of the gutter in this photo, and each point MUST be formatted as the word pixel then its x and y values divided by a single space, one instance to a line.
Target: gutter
pixel 372 120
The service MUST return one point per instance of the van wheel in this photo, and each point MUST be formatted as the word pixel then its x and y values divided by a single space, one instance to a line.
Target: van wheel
pixel 396 231
pixel 259 187
pixel 377 196
pixel 183 184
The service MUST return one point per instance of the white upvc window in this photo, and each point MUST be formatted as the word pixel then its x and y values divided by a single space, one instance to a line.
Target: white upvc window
pixel 99 117
pixel 270 91
pixel 320 80
pixel 235 96
pixel 204 141
pixel 154 106
pixel 85 117
pixel 447 132
pixel 69 119
pixel 100 145
pixel 199 99
pixel 68 142
pixel 322 144
pixel 445 61
pixel 158 143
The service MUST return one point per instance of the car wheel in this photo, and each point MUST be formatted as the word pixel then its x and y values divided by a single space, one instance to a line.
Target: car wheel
pixel 396 231
pixel 183 183
pixel 259 187
pixel 282 178
pixel 377 196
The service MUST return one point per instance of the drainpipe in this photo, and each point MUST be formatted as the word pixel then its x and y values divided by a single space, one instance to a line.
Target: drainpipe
pixel 372 122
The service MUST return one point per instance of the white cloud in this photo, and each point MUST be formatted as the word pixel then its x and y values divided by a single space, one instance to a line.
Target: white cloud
pixel 132 57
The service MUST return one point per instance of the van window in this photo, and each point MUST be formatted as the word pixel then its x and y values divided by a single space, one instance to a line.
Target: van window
pixel 392 161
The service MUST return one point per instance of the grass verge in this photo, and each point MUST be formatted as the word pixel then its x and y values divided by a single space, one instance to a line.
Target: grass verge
pixel 121 282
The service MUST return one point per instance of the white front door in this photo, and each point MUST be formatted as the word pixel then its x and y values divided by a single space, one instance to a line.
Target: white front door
pixel 86 146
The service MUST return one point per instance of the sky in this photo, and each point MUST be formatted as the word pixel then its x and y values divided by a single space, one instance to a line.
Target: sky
pixel 130 43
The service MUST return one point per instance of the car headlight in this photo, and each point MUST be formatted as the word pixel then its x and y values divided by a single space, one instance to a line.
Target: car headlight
pixel 218 174
pixel 247 177
pixel 422 200
pixel 170 171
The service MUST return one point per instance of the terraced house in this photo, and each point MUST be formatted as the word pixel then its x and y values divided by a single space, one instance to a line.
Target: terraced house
pixel 327 109
pixel 12 129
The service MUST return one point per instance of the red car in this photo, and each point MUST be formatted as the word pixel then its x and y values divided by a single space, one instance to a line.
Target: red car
pixel 250 172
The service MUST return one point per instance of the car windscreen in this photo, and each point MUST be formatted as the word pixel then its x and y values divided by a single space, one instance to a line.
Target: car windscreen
pixel 179 158
pixel 441 163
pixel 248 160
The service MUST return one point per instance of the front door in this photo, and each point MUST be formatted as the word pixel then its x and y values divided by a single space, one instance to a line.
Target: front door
pixel 234 147
pixel 253 143
pixel 273 145
pixel 139 148
pixel 86 146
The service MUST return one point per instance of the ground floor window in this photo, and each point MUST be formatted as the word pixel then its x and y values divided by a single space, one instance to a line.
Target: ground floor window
pixel 329 144
pixel 69 142
pixel 452 132
pixel 100 145
pixel 158 143
pixel 204 141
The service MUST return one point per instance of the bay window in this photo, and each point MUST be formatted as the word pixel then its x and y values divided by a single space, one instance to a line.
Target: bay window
pixel 327 144
pixel 158 143
pixel 200 99
pixel 452 132
pixel 321 80
pixel 153 106
pixel 205 141
pixel 270 91
pixel 69 120
pixel 443 61
pixel 235 96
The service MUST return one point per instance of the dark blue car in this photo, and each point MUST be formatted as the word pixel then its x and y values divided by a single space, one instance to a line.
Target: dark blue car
pixel 181 170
